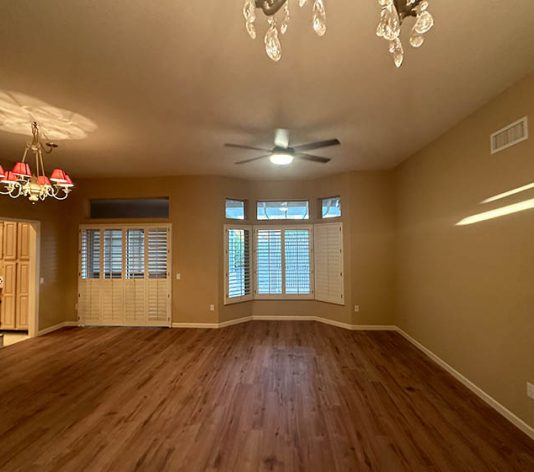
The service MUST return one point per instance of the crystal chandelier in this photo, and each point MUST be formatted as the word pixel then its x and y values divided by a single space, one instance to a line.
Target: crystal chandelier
pixel 21 182
pixel 392 16
pixel 279 25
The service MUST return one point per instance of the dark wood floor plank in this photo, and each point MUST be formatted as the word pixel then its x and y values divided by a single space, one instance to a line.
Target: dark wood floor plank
pixel 262 396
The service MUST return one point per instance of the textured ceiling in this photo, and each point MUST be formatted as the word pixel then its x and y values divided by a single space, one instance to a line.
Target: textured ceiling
pixel 158 87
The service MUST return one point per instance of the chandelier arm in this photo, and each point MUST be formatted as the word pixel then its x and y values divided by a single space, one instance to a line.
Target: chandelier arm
pixel 270 7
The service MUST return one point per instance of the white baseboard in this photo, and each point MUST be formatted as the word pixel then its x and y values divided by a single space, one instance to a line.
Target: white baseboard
pixel 319 319
pixel 55 327
pixel 515 420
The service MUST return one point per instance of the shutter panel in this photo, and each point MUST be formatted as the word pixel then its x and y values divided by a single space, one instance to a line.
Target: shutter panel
pixel 158 283
pixel 135 254
pixel 297 248
pixel 328 240
pixel 269 261
pixel 238 263
pixel 113 253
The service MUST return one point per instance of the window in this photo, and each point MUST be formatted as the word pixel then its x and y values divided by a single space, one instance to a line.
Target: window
pixel 328 239
pixel 157 242
pixel 130 208
pixel 135 254
pixel 283 210
pixel 112 253
pixel 90 254
pixel 238 264
pixel 235 209
pixel 283 262
pixel 331 207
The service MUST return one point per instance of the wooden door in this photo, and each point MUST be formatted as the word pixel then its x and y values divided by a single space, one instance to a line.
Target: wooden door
pixel 23 241
pixel 10 241
pixel 22 296
pixel 9 296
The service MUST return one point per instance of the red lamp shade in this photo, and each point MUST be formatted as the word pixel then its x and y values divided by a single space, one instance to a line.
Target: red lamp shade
pixel 2 173
pixel 58 176
pixel 9 178
pixel 22 169
pixel 68 183
pixel 43 180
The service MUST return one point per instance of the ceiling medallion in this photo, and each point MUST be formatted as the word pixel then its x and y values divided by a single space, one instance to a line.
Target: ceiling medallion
pixel 392 16
pixel 22 182
pixel 278 24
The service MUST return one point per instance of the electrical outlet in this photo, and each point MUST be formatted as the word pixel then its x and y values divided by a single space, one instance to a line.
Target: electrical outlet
pixel 212 307
pixel 530 390
pixel 356 308
pixel 178 276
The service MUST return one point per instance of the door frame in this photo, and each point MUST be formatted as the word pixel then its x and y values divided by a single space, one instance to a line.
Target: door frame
pixel 35 272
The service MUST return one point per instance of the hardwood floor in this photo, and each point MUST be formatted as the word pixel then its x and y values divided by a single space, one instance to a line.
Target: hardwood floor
pixel 262 396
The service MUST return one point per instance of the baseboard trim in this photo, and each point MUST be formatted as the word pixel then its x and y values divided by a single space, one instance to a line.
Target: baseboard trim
pixel 319 319
pixel 51 329
pixel 515 420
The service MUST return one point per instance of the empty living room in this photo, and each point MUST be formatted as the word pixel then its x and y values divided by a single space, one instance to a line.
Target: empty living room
pixel 267 235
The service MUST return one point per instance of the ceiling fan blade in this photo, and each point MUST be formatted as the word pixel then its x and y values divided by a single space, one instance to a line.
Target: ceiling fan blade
pixel 246 161
pixel 281 138
pixel 317 145
pixel 244 146
pixel 309 157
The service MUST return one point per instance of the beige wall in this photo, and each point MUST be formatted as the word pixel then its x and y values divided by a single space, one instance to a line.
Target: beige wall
pixel 197 216
pixel 467 292
pixel 53 306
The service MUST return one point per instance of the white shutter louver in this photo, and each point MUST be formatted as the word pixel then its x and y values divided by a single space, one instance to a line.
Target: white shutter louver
pixel 297 261
pixel 328 241
pixel 269 261
pixel 238 263
pixel 135 254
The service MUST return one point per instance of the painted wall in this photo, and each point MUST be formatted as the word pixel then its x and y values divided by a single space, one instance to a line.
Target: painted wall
pixel 197 216
pixel 466 292
pixel 53 307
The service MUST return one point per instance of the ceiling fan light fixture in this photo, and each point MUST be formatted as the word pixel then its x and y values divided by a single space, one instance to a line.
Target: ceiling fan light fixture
pixel 281 158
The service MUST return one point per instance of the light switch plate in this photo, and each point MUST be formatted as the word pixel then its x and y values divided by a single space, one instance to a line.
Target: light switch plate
pixel 530 390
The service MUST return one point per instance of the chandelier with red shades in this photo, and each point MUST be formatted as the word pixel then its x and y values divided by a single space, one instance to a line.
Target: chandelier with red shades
pixel 22 182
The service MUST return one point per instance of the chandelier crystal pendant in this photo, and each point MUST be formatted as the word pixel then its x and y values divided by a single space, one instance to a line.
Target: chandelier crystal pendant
pixel 392 16
pixel 22 182
pixel 278 15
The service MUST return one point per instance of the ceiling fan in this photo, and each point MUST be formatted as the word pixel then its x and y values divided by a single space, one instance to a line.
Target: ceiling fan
pixel 282 154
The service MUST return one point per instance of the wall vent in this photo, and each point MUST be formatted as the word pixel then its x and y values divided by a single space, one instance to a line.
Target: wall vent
pixel 509 135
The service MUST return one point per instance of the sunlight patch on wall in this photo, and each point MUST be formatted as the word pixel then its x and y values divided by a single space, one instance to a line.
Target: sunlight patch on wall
pixel 515 191
pixel 497 213
pixel 18 111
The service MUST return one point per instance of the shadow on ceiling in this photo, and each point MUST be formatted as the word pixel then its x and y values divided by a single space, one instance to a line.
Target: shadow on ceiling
pixel 18 111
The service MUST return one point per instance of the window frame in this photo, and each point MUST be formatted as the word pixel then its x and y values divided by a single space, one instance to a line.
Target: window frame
pixel 245 209
pixel 245 298
pixel 280 221
pixel 283 295
pixel 330 218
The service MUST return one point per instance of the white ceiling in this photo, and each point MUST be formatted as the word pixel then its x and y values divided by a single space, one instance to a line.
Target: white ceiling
pixel 161 85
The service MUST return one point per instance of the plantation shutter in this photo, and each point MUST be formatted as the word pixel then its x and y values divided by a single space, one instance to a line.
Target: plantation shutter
pixel 158 283
pixel 135 306
pixel 269 261
pixel 328 241
pixel 238 263
pixel 297 248
pixel 125 276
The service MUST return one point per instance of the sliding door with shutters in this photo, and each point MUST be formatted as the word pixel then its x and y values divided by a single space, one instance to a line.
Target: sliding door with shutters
pixel 125 275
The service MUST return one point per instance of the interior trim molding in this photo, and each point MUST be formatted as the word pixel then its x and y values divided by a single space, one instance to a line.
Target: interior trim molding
pixel 51 329
pixel 515 420
pixel 319 319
